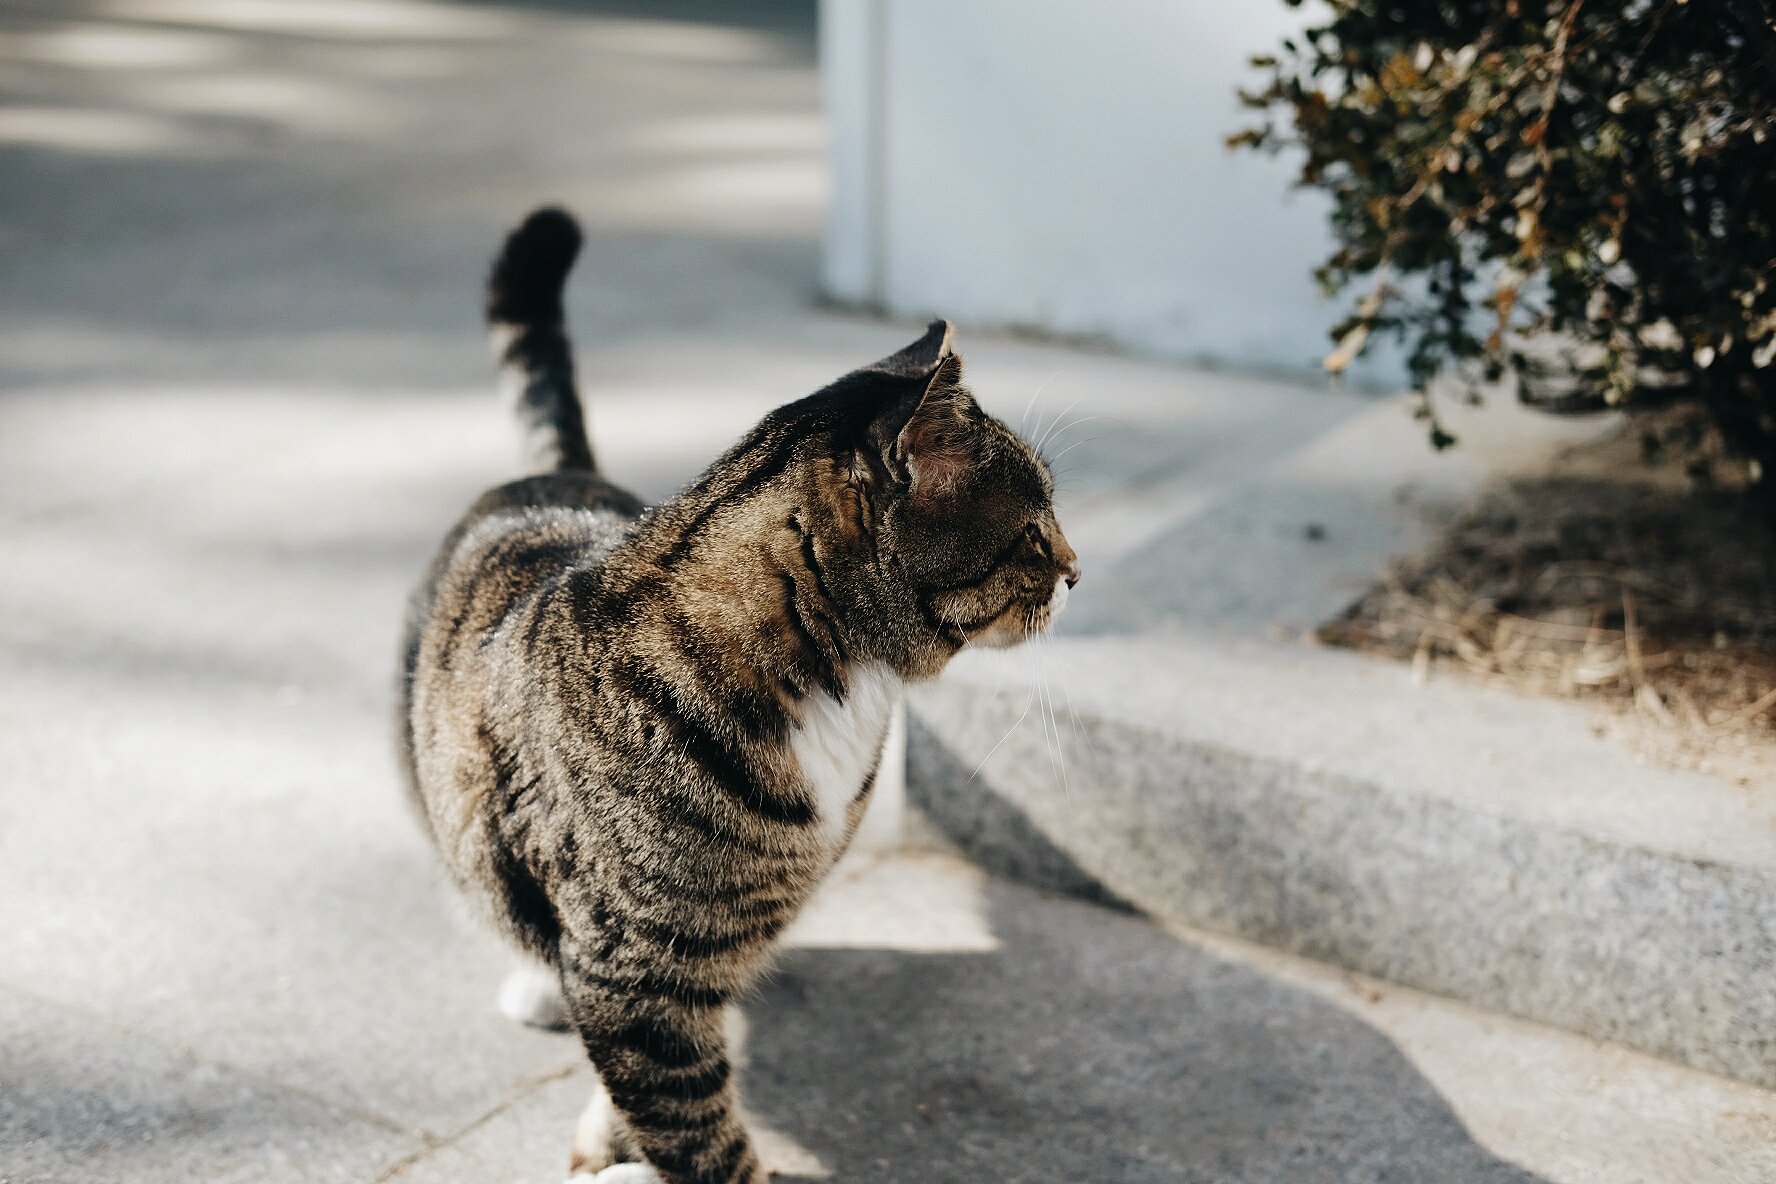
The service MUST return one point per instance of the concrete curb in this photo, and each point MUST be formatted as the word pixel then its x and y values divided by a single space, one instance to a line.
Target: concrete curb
pixel 1586 920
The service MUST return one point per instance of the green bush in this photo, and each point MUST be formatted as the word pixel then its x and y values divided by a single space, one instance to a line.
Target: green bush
pixel 1521 178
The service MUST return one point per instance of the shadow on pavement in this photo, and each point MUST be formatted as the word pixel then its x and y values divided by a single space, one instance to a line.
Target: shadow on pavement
pixel 211 192
pixel 1088 1048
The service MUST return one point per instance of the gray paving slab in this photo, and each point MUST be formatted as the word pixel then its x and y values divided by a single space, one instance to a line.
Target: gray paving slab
pixel 263 911
pixel 83 1103
pixel 299 191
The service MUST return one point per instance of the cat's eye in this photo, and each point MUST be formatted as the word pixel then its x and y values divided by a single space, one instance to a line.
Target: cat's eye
pixel 1034 534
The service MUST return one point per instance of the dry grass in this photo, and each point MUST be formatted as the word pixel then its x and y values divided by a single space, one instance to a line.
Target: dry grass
pixel 1608 581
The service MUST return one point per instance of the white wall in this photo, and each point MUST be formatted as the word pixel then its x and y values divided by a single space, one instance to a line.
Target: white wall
pixel 1061 165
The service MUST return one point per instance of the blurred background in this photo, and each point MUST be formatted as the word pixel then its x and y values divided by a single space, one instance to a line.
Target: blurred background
pixel 1175 897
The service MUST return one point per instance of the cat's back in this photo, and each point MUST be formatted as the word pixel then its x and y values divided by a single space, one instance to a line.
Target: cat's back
pixel 513 549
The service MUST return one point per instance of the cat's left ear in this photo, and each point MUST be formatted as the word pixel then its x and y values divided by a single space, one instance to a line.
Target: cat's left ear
pixel 935 449
pixel 919 359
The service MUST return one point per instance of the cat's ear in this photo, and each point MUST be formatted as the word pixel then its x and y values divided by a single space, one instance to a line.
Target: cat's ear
pixel 919 359
pixel 928 437
pixel 935 448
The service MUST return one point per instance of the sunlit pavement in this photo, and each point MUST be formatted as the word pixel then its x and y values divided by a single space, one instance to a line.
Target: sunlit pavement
pixel 244 391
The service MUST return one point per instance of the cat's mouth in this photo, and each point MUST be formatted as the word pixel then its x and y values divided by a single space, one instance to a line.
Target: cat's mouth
pixel 1044 615
pixel 1020 623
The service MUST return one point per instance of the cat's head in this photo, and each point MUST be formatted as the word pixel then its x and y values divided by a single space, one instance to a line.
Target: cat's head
pixel 962 508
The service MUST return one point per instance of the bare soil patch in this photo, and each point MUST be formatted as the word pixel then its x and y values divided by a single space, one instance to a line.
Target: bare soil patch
pixel 1610 581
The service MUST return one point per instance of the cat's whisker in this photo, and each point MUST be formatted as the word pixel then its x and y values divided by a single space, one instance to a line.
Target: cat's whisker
pixel 1059 416
pixel 1053 427
pixel 1050 438
pixel 1048 728
pixel 1071 424
pixel 1024 420
pixel 1063 479
pixel 1057 435
pixel 1044 426
pixel 1079 729
pixel 1060 753
pixel 1051 461
pixel 1028 699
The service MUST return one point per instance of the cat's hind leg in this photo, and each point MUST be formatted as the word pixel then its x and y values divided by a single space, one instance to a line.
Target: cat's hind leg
pixel 531 995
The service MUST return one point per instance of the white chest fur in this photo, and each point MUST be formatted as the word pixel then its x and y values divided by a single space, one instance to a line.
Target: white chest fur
pixel 837 744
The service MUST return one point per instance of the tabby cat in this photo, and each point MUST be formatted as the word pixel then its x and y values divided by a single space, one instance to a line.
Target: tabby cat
pixel 640 737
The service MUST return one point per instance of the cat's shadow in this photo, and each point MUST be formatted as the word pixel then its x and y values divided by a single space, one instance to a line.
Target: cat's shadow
pixel 1087 1048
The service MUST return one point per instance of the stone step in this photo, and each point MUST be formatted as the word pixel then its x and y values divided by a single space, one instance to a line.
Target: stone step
pixel 1459 840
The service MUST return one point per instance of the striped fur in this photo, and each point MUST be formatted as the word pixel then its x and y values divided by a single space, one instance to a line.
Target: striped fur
pixel 639 738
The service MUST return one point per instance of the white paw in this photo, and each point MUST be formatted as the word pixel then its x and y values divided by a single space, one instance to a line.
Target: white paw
pixel 592 1135
pixel 532 995
pixel 622 1173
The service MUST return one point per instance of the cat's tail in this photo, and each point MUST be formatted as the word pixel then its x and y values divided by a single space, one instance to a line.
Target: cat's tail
pixel 529 324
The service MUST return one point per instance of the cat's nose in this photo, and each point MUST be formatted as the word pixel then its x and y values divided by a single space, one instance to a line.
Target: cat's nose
pixel 1066 558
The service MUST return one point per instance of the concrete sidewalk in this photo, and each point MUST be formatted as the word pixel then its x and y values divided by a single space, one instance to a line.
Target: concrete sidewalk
pixel 244 393
pixel 231 958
